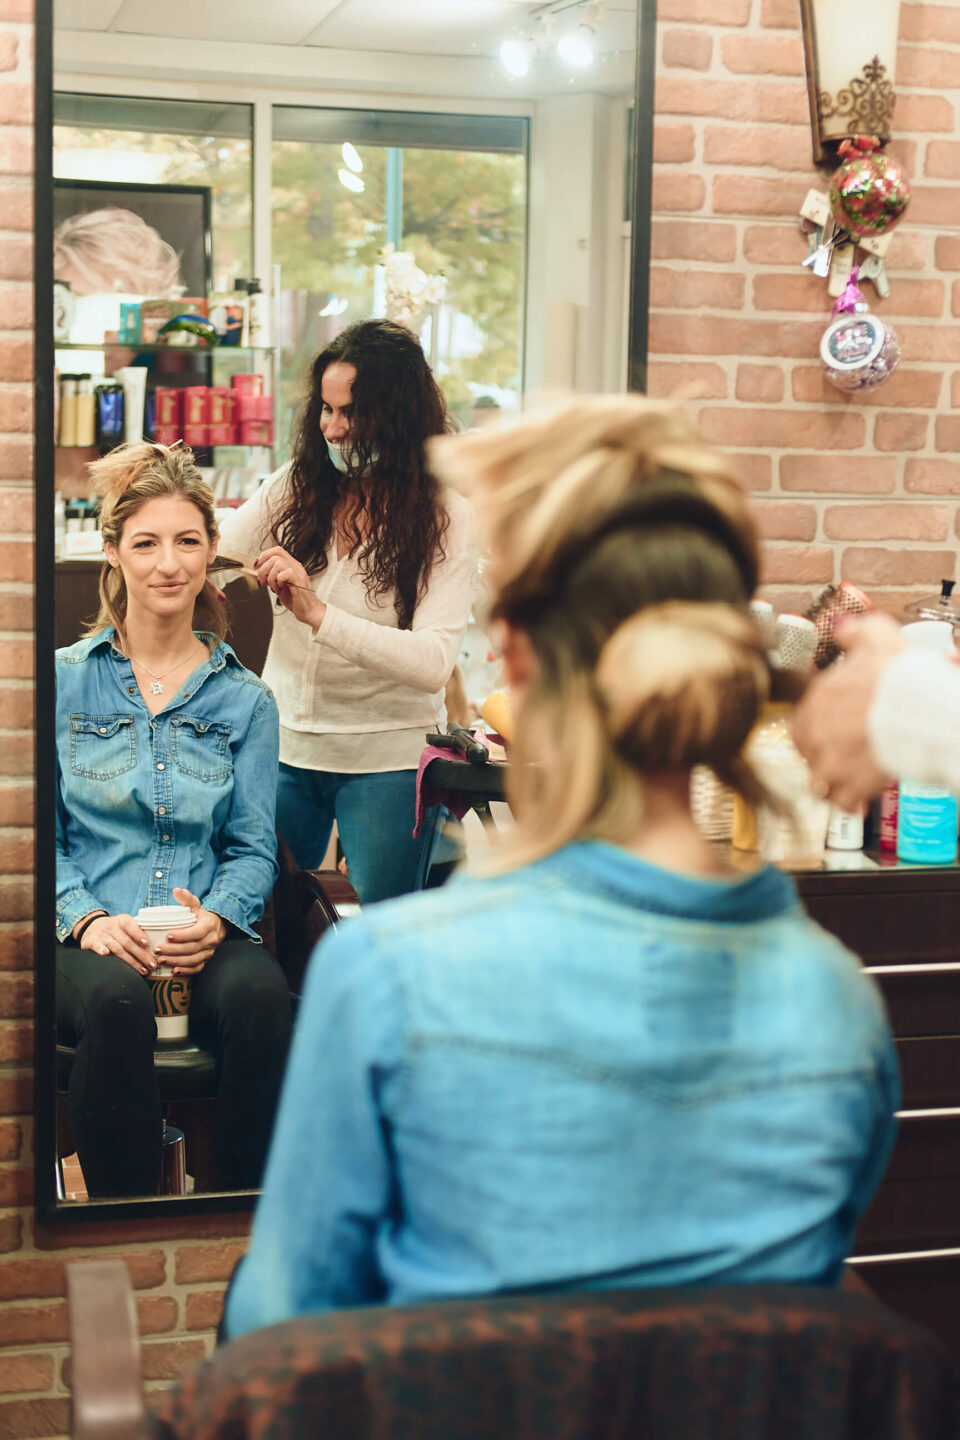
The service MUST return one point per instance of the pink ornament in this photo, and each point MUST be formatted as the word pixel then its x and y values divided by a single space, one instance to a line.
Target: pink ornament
pixel 869 192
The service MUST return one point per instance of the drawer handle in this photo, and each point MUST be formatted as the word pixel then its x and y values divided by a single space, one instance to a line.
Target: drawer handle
pixel 901 1255
pixel 934 968
pixel 946 1113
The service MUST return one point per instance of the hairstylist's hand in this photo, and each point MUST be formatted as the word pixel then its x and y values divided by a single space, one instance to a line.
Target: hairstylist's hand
pixel 119 935
pixel 188 950
pixel 290 583
pixel 831 724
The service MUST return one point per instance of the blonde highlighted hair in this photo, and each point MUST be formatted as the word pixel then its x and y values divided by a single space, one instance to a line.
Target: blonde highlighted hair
pixel 126 479
pixel 626 550
pixel 112 250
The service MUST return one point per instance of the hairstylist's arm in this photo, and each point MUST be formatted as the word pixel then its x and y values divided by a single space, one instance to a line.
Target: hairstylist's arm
pixel 884 712
pixel 423 656
pixel 329 1183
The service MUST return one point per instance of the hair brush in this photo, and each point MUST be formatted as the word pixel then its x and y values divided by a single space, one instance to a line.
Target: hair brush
pixel 835 600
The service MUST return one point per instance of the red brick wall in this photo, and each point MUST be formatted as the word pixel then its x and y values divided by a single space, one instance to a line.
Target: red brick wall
pixel 178 1266
pixel 860 488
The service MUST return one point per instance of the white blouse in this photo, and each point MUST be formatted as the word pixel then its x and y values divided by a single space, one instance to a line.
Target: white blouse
pixel 357 694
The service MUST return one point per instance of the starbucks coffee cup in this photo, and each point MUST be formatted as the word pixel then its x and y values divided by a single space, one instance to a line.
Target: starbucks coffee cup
pixel 171 993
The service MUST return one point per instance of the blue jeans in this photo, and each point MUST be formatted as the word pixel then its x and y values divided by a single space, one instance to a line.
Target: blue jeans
pixel 375 816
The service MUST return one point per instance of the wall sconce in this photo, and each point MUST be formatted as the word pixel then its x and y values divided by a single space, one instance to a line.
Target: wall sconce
pixel 850 55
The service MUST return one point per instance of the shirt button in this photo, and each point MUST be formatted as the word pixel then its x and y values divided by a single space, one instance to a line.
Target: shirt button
pixel 161 809
pixel 160 765
pixel 186 694
pixel 159 874
pixel 103 729
pixel 153 724
pixel 131 689
pixel 164 837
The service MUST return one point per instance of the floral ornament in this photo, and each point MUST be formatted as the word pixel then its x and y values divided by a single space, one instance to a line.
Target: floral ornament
pixel 409 290
pixel 869 193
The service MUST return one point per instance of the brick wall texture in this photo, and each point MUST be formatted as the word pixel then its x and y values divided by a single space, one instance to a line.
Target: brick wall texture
pixel 178 1266
pixel 861 488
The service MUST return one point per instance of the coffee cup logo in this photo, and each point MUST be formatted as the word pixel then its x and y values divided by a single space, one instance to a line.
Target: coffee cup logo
pixel 171 994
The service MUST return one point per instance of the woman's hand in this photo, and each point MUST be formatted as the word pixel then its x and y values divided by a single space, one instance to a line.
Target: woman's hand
pixel 290 583
pixel 122 936
pixel 189 949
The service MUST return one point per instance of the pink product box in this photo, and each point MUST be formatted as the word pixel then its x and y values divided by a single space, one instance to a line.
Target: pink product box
pixel 256 432
pixel 248 384
pixel 253 407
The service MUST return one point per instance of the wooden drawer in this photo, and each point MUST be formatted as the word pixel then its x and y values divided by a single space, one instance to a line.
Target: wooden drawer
pixel 930 1071
pixel 918 1204
pixel 899 926
pixel 922 1002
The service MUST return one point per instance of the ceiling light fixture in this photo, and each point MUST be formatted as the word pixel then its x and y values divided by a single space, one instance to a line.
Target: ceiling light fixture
pixel 576 46
pixel 349 181
pixel 515 56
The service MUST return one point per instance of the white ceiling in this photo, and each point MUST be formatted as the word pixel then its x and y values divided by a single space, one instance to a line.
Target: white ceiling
pixel 454 28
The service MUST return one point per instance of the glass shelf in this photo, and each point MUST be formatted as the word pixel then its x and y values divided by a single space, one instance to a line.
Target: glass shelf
pixel 166 349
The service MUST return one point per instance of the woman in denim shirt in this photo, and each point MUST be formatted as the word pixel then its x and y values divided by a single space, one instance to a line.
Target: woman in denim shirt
pixel 166 778
pixel 614 1060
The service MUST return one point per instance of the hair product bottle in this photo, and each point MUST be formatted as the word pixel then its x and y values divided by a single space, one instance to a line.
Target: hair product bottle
pixel 927 817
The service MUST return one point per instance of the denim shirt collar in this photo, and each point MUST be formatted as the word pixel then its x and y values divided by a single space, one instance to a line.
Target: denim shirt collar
pixel 221 654
pixel 607 869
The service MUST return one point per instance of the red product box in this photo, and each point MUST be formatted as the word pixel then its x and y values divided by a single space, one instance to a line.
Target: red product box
pixel 170 434
pixel 253 407
pixel 248 384
pixel 223 428
pixel 256 432
pixel 169 409
pixel 196 414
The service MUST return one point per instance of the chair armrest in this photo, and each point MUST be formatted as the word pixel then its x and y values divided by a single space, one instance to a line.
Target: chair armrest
pixel 108 1401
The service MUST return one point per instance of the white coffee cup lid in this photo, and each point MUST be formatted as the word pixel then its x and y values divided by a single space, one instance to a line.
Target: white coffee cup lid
pixel 160 916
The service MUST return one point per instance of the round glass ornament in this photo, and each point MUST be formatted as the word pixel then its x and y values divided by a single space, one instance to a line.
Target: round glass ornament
pixel 869 193
pixel 859 351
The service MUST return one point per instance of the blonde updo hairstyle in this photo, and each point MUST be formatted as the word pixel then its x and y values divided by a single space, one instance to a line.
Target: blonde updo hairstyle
pixel 126 479
pixel 626 550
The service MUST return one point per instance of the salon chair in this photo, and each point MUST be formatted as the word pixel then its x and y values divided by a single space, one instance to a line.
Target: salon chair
pixel 750 1362
pixel 303 906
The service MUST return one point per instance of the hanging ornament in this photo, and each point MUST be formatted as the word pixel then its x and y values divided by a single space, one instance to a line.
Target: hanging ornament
pixel 869 193
pixel 858 350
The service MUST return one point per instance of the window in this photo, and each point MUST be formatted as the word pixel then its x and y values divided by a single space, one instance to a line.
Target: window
pixel 449 188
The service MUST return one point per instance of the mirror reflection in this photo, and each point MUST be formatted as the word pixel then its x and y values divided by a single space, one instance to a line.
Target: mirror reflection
pixel 287 253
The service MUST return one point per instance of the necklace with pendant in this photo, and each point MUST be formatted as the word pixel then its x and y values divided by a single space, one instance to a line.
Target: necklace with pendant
pixel 157 687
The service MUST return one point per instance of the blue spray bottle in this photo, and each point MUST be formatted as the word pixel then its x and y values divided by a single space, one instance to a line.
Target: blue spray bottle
pixel 928 815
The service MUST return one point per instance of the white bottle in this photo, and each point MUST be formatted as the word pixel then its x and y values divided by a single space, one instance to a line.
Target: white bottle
pixel 59 523
pixel 258 316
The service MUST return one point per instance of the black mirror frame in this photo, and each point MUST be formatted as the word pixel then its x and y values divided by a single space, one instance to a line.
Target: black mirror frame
pixel 48 1208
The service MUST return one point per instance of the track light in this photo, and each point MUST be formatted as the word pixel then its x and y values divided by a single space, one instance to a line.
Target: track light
pixel 576 47
pixel 515 56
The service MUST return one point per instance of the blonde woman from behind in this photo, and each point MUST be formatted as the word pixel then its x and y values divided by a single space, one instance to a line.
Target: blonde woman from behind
pixel 615 1061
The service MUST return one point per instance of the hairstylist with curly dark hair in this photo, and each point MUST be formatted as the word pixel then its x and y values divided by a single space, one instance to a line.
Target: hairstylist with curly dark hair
pixel 374 565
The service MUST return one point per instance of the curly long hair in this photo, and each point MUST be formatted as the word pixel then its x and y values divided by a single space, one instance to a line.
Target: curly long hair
pixel 397 407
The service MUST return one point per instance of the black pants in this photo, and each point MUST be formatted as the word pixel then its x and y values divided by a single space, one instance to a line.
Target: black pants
pixel 240 1008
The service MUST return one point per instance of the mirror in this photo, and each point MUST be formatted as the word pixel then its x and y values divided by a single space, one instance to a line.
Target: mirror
pixel 308 145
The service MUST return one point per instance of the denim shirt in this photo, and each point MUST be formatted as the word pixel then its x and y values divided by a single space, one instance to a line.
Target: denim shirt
pixel 146 802
pixel 586 1073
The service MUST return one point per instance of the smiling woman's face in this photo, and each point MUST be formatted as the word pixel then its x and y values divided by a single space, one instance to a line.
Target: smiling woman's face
pixel 163 552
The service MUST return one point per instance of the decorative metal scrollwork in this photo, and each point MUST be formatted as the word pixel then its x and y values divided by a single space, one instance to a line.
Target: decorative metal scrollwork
pixel 866 106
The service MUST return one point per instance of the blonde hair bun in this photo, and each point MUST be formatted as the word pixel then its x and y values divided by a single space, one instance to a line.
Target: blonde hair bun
pixel 682 684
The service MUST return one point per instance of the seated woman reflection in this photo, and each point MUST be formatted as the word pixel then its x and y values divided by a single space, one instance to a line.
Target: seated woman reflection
pixel 616 1061
pixel 166 777
pixel 374 567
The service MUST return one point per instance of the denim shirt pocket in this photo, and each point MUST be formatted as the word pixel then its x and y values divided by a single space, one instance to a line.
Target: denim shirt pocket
pixel 102 746
pixel 200 748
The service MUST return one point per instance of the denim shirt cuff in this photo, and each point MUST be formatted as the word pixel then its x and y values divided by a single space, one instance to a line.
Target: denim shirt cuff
pixel 231 910
pixel 72 907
